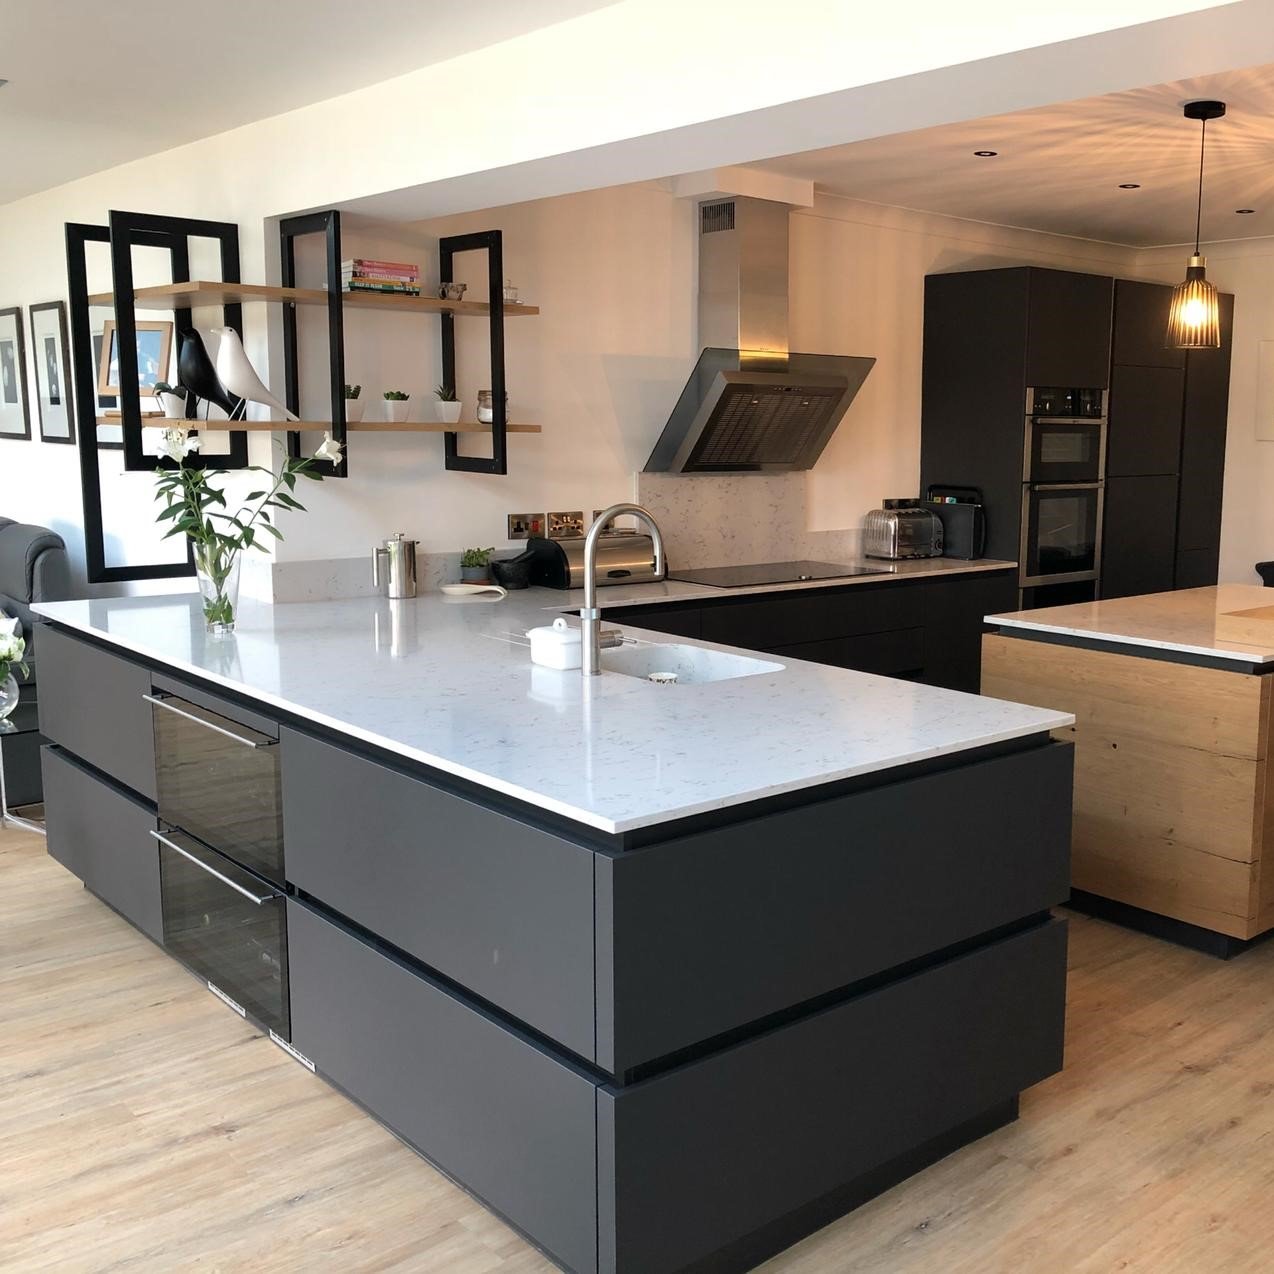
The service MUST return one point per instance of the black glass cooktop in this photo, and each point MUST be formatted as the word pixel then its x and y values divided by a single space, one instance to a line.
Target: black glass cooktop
pixel 772 573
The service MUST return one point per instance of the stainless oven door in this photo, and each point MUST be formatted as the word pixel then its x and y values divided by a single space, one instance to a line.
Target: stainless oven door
pixel 227 926
pixel 1061 533
pixel 1063 449
pixel 218 779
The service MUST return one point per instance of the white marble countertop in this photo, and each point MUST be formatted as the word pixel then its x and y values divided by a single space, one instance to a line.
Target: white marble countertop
pixel 680 591
pixel 1184 621
pixel 449 682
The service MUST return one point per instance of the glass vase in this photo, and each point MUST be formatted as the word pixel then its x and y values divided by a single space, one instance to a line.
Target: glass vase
pixel 8 695
pixel 218 573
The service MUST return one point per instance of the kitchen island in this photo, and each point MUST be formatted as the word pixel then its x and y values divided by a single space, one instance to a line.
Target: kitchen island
pixel 1174 811
pixel 668 976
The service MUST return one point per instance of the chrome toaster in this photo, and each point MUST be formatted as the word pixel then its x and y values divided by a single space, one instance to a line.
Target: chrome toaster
pixel 900 530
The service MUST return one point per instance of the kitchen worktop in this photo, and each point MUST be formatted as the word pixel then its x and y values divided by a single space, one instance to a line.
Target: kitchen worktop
pixel 448 682
pixel 680 591
pixel 1184 621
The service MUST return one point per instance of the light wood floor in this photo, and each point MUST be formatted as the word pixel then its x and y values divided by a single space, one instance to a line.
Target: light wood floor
pixel 143 1127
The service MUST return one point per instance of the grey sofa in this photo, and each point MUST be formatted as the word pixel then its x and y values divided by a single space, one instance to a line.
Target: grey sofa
pixel 33 568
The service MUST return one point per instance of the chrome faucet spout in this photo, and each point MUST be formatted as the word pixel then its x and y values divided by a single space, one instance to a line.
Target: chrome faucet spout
pixel 590 616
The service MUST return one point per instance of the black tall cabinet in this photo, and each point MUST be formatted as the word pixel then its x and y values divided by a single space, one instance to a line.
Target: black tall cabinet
pixel 1165 455
pixel 989 334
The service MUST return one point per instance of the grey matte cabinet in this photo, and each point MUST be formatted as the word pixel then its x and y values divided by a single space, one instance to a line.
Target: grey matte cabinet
pixel 500 906
pixel 102 835
pixel 704 1155
pixel 512 1122
pixel 91 703
pixel 699 936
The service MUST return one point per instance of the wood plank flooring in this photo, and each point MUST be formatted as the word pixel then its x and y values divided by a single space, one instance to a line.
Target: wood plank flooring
pixel 145 1128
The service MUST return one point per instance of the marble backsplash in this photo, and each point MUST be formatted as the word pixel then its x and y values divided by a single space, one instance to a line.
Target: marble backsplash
pixel 706 520
pixel 735 519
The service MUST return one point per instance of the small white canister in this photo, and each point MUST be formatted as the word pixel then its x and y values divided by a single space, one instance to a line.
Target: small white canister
pixel 556 645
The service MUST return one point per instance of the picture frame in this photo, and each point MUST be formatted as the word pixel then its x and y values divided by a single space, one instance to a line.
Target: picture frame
pixel 50 347
pixel 15 412
pixel 110 437
pixel 154 352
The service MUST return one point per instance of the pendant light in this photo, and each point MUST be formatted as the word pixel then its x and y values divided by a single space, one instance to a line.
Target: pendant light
pixel 1194 317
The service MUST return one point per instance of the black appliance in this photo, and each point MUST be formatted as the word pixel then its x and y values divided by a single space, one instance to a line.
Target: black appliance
pixel 963 518
pixel 1061 533
pixel 221 866
pixel 1064 446
pixel 773 573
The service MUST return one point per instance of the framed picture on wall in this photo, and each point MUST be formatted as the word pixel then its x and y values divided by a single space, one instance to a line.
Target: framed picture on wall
pixel 154 347
pixel 15 415
pixel 110 437
pixel 50 346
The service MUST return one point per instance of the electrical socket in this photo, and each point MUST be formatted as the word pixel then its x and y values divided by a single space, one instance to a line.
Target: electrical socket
pixel 565 526
pixel 524 525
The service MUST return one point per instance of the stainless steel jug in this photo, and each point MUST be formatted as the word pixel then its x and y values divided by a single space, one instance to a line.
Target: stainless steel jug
pixel 397 578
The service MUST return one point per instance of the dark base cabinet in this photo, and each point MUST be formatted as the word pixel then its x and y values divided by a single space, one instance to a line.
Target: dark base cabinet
pixel 668 1172
pixel 101 833
pixel 927 630
pixel 680 1048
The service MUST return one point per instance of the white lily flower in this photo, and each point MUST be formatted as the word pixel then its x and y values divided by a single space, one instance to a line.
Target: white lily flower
pixel 329 449
pixel 176 444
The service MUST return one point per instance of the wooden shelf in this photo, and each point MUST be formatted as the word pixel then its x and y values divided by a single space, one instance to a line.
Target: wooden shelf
pixel 169 296
pixel 320 426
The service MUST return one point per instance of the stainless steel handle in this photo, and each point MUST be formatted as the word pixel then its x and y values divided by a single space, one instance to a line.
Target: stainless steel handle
pixel 212 871
pixel 261 742
pixel 1066 486
pixel 376 554
pixel 1068 420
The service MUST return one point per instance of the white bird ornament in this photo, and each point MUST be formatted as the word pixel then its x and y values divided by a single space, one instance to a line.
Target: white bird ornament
pixel 239 376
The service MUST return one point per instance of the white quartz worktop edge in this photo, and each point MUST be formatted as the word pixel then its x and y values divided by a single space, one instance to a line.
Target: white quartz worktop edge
pixel 616 755
pixel 1181 622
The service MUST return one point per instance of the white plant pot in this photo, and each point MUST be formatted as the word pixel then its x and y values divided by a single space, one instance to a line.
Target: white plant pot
pixel 174 405
pixel 353 410
pixel 449 413
pixel 396 409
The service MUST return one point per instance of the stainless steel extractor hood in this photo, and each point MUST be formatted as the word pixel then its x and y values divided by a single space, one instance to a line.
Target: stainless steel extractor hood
pixel 750 405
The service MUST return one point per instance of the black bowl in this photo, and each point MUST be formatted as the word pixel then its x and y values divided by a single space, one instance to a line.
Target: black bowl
pixel 511 572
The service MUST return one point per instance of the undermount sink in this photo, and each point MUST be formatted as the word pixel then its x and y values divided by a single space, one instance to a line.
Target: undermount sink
pixel 687 664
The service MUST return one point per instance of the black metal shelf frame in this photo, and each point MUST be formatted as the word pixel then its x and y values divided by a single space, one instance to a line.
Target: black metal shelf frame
pixel 491 242
pixel 125 231
pixel 327 224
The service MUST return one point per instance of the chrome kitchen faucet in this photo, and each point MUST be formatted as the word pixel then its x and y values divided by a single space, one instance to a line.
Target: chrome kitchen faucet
pixel 590 616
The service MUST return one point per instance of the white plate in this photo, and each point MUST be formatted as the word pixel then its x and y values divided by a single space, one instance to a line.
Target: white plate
pixel 472 590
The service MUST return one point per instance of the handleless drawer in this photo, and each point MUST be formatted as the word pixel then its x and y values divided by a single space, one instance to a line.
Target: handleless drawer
pixel 707 1154
pixel 506 1119
pixel 701 936
pixel 103 836
pixel 91 704
pixel 503 908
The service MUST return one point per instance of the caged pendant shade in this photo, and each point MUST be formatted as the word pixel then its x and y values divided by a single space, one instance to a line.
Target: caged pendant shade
pixel 1194 316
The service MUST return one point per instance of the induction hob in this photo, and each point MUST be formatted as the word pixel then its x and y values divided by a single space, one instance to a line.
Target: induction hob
pixel 772 573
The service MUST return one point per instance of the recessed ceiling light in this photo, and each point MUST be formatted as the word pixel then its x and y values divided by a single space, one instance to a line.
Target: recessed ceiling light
pixel 986 154
pixel 1130 185
pixel 1243 212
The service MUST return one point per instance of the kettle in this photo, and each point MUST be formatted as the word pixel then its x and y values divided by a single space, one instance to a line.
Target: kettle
pixel 398 579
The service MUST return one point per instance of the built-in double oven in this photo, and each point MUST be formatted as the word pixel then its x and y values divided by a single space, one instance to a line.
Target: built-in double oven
pixel 1063 487
pixel 221 849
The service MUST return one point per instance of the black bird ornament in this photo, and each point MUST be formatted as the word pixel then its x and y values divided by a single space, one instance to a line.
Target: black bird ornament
pixel 199 376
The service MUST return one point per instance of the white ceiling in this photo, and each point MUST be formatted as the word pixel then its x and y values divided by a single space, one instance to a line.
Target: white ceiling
pixel 1059 167
pixel 95 83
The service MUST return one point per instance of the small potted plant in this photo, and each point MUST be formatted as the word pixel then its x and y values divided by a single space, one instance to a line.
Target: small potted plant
pixel 396 404
pixel 448 405
pixel 171 399
pixel 353 404
pixel 473 565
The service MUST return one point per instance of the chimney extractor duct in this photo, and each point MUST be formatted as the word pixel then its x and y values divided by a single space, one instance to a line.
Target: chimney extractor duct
pixel 750 405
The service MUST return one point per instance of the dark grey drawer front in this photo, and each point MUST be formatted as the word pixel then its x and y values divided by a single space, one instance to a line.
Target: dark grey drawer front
pixel 91 703
pixel 500 907
pixel 103 837
pixel 504 1118
pixel 720 929
pixel 776 1122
